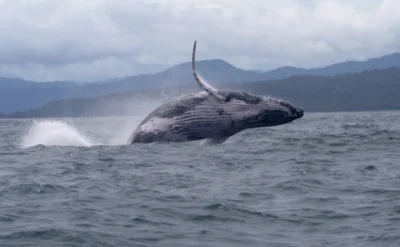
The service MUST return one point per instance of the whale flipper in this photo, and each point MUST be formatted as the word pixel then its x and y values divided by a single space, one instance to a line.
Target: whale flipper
pixel 203 83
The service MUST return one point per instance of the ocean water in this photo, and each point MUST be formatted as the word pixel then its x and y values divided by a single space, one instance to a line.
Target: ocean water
pixel 328 179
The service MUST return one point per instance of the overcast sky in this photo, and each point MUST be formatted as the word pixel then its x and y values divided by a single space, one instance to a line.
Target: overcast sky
pixel 98 39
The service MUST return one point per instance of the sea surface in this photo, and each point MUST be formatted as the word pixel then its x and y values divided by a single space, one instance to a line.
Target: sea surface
pixel 328 179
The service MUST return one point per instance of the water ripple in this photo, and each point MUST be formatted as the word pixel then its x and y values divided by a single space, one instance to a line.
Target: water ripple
pixel 327 180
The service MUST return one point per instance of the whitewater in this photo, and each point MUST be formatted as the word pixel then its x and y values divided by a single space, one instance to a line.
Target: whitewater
pixel 329 179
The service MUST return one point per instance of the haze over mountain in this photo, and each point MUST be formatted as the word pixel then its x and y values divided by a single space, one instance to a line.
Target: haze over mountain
pixel 391 60
pixel 364 91
pixel 20 95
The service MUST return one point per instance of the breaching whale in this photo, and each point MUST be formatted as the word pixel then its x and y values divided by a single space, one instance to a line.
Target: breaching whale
pixel 212 115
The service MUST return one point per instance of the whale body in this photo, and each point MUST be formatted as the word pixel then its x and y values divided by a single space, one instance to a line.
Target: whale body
pixel 212 115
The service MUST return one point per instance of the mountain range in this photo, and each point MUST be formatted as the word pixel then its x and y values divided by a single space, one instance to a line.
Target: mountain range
pixel 372 90
pixel 17 95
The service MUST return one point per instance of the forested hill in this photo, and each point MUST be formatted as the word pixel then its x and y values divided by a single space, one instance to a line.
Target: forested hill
pixel 364 91
pixel 20 95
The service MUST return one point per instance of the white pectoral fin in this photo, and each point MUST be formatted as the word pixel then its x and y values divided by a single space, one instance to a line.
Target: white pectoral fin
pixel 203 83
pixel 215 140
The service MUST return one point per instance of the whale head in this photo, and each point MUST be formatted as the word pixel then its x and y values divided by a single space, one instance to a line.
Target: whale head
pixel 250 110
pixel 276 112
pixel 261 111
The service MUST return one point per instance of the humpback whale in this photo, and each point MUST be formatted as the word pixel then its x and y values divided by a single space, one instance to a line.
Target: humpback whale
pixel 212 115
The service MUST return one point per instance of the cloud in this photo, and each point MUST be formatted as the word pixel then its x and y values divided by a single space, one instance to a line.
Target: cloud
pixel 90 40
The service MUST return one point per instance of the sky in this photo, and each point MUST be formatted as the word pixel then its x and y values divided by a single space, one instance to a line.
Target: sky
pixel 86 40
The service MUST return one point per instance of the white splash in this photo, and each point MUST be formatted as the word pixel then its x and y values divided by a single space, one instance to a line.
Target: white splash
pixel 125 130
pixel 54 133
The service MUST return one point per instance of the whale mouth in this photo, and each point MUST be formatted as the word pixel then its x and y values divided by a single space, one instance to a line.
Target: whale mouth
pixel 297 113
pixel 300 113
pixel 293 111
